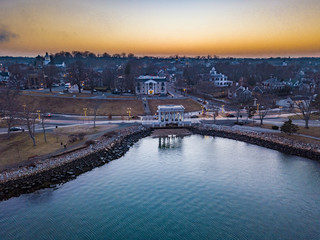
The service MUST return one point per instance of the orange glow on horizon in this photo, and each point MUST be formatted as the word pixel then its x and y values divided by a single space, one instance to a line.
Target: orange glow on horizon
pixel 239 29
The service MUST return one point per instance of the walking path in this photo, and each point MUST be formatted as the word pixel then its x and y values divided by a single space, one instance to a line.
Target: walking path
pixel 146 106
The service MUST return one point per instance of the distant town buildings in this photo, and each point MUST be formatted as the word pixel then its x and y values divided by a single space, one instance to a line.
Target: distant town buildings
pixel 273 84
pixel 151 85
pixel 219 79
pixel 47 61
pixel 4 77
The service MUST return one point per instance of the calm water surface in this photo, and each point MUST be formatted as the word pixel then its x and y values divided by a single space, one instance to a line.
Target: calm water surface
pixel 191 188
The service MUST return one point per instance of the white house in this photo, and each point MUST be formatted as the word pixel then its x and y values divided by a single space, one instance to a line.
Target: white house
pixel 151 85
pixel 219 79
pixel 47 59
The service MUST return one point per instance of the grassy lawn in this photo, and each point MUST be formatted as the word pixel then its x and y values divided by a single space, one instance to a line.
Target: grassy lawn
pixel 189 104
pixel 76 105
pixel 312 131
pixel 300 138
pixel 3 124
pixel 313 116
pixel 20 147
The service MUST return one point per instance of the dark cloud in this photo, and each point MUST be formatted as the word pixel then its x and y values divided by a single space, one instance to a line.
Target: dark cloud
pixel 6 35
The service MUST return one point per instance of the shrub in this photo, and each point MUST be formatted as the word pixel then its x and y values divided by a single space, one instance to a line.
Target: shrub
pixel 109 134
pixel 90 142
pixel 275 127
pixel 75 137
pixel 81 136
pixel 72 138
pixel 288 127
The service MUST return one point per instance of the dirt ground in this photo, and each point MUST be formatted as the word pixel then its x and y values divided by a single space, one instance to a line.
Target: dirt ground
pixel 76 105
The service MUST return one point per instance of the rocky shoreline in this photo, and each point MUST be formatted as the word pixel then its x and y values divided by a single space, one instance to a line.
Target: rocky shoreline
pixel 51 172
pixel 268 140
pixel 54 171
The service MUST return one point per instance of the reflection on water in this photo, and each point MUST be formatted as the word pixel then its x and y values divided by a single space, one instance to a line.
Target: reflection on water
pixel 171 141
pixel 196 187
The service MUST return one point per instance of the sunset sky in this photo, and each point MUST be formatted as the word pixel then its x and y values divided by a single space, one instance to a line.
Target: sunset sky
pixel 245 28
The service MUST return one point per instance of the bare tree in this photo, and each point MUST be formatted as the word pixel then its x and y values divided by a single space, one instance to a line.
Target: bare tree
pixel 51 73
pixel 30 118
pixel 43 127
pixel 93 78
pixel 108 78
pixel 130 83
pixel 9 106
pixel 240 101
pixel 43 115
pixel 17 76
pixel 95 106
pixel 305 108
pixel 264 105
pixel 77 74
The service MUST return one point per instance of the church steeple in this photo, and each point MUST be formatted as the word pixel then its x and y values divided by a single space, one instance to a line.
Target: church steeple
pixel 46 59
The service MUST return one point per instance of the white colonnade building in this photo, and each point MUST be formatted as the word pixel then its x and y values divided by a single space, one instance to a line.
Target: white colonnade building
pixel 170 114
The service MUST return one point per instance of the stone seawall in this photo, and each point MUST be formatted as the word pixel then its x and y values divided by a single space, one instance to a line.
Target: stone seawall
pixel 51 172
pixel 55 171
pixel 268 140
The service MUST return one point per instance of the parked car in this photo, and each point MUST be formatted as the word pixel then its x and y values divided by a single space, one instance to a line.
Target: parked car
pixel 15 129
pixel 194 116
pixel 230 115
pixel 47 115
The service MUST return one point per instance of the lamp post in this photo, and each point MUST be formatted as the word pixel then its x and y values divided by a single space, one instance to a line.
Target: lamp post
pixel 85 111
pixel 129 113
pixel 38 111
pixel 280 110
pixel 202 109
pixel 258 104
pixel 85 114
pixel 222 108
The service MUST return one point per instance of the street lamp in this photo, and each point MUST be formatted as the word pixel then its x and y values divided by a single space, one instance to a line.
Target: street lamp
pixel 85 111
pixel 222 108
pixel 202 109
pixel 129 113
pixel 258 104
pixel 38 111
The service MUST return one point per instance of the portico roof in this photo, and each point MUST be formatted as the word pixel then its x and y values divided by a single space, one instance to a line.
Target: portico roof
pixel 165 108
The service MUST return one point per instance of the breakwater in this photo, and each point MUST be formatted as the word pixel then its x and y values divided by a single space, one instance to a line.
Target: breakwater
pixel 53 171
pixel 49 173
pixel 268 140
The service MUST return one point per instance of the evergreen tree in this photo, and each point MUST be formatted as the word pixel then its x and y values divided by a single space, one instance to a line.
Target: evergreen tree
pixel 288 127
